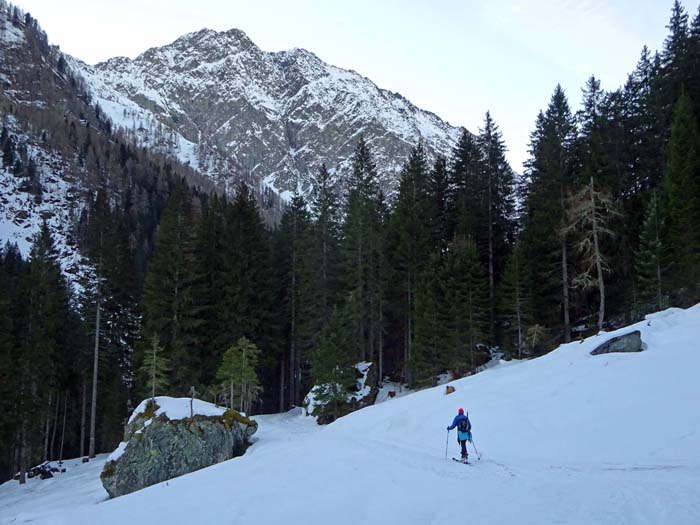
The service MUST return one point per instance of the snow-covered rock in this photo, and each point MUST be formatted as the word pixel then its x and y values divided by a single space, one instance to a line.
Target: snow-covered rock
pixel 168 437
pixel 630 342
pixel 363 395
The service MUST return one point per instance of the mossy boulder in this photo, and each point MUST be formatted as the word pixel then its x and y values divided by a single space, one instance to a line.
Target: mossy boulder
pixel 160 445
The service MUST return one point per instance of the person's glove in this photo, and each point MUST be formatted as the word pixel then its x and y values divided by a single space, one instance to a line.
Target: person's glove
pixel 448 429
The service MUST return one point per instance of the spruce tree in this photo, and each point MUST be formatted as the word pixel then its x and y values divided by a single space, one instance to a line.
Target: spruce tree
pixel 300 286
pixel 465 188
pixel 550 175
pixel 326 210
pixel 206 287
pixel 154 369
pixel 250 290
pixel 238 375
pixel 332 367
pixel 438 190
pixel 360 245
pixel 466 297
pixel 515 303
pixel 496 234
pixel 411 232
pixel 46 296
pixel 650 261
pixel 431 355
pixel 167 290
pixel 674 62
pixel 682 199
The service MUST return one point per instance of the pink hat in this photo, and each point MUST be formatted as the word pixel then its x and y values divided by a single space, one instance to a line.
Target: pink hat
pixel 461 411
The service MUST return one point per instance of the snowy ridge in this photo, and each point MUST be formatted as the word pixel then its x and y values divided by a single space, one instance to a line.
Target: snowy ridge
pixel 217 101
pixel 566 438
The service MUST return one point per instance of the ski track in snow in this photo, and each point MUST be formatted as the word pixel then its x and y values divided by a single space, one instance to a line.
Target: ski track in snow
pixel 566 438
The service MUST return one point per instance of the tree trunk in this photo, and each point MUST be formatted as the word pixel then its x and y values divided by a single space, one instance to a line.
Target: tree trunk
pixel 471 334
pixel 93 401
pixel 83 411
pixel 380 357
pixel 47 427
pixel 292 339
pixel 282 406
pixel 657 241
pixel 52 447
pixel 243 383
pixel 564 260
pixel 598 264
pixel 23 453
pixel 492 288
pixel 409 325
pixel 565 290
pixel 63 429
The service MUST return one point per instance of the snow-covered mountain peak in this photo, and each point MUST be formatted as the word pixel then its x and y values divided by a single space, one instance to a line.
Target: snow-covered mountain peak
pixel 271 118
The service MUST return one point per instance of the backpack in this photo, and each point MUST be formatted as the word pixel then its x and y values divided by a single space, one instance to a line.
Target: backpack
pixel 463 425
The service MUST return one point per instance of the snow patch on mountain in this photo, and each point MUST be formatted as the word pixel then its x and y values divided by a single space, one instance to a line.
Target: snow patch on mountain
pixel 57 198
pixel 9 34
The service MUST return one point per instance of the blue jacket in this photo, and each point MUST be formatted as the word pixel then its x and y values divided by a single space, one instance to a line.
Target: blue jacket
pixel 456 421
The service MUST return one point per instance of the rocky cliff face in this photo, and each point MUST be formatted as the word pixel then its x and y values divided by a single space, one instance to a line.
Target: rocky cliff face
pixel 217 101
pixel 168 438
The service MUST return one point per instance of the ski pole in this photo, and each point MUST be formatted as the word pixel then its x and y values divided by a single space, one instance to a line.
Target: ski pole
pixel 447 441
pixel 475 450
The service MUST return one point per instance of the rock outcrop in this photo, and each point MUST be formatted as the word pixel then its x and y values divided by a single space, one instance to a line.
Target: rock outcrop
pixel 171 437
pixel 631 342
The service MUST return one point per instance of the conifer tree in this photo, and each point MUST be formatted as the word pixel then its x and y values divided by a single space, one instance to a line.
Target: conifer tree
pixel 248 294
pixel 431 354
pixel 497 203
pixel 332 363
pixel 466 297
pixel 325 211
pixel 550 174
pixel 692 81
pixel 300 285
pixel 588 214
pixel 9 360
pixel 154 369
pixel 46 296
pixel 167 290
pixel 438 189
pixel 674 61
pixel 206 286
pixel 651 271
pixel 682 197
pixel 465 188
pixel 238 376
pixel 516 302
pixel 360 245
pixel 411 230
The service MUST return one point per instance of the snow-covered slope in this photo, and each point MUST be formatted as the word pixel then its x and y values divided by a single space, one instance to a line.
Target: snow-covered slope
pixel 54 194
pixel 566 438
pixel 218 101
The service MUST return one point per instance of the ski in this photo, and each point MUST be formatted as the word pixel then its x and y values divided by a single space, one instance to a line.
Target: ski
pixel 461 461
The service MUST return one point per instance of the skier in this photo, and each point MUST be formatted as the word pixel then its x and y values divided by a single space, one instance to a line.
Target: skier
pixel 464 427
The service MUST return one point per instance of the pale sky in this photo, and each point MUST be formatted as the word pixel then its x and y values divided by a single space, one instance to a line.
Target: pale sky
pixel 456 58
